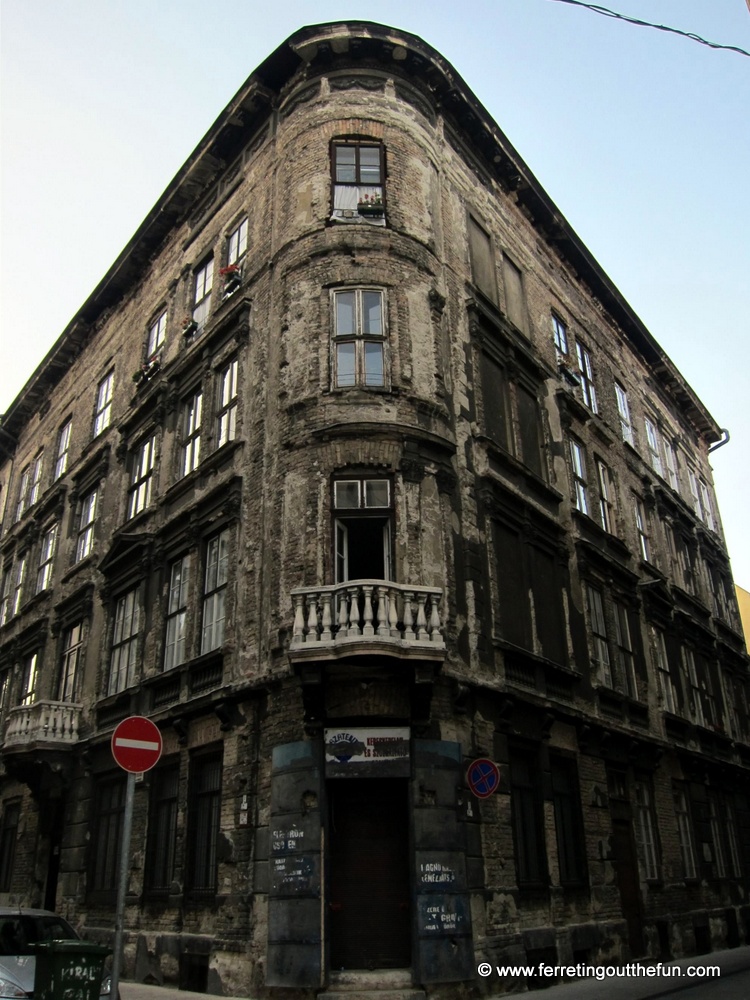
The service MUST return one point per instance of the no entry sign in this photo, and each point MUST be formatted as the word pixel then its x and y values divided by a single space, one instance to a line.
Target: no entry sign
pixel 483 777
pixel 136 744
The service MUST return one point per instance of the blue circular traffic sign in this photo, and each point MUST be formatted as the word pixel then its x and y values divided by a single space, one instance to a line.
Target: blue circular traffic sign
pixel 483 777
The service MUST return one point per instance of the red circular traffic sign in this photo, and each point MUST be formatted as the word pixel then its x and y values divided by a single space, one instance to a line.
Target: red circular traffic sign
pixel 483 776
pixel 136 744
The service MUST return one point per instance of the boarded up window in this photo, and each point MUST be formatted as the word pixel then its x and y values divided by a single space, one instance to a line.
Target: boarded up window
pixel 514 611
pixel 514 302
pixel 495 396
pixel 482 260
pixel 550 621
pixel 529 430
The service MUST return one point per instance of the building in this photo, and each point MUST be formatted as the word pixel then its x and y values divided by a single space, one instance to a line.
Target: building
pixel 354 469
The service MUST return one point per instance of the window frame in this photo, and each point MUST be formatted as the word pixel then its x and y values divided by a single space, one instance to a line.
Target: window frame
pixel 108 804
pixel 175 618
pixel 359 339
pixel 70 661
pixel 237 248
pixel 63 449
pixel 601 658
pixel 569 829
pixel 586 373
pixel 623 411
pixel 227 402
pixel 645 828
pixel 29 680
pixel 560 337
pixel 47 551
pixel 123 659
pixel 143 461
pixel 203 824
pixel 665 681
pixel 580 482
pixel 190 445
pixel 607 504
pixel 653 446
pixel 103 406
pixel 161 838
pixel 215 591
pixel 641 525
pixel 344 206
pixel 203 277
pixel 86 522
pixel 685 834
pixel 527 819
pixel 157 336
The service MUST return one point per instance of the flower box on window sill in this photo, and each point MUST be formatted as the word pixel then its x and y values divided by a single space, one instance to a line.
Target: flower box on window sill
pixel 147 371
pixel 371 209
pixel 232 277
pixel 190 328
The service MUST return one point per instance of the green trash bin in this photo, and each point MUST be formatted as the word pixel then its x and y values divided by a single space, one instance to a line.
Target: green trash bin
pixel 69 970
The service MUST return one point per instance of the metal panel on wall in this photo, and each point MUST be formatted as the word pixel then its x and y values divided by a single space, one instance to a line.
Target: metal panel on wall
pixel 444 948
pixel 294 897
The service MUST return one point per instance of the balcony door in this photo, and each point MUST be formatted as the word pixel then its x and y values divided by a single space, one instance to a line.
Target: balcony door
pixel 363 549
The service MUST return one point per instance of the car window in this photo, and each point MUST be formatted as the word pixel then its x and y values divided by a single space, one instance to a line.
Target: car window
pixel 19 934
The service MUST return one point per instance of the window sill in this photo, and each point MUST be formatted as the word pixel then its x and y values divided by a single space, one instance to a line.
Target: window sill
pixel 88 562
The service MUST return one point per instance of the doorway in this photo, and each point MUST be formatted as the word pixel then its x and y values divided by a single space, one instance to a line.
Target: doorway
pixel 369 892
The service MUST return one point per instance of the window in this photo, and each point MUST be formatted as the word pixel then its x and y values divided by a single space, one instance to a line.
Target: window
pixel 179 578
pixel 700 499
pixel 8 839
pixel 28 683
pixel 139 496
pixel 71 657
pixel 359 338
pixel 512 414
pixel 204 816
pixel 645 827
pixel 227 404
pixel 671 460
pixel 109 811
pixel 124 643
pixel 560 337
pixel 202 283
pixel 527 818
pixel 103 411
pixel 23 492
pixel 606 496
pixel 515 305
pixel 191 434
pixel 162 829
pixel 358 172
pixel 5 597
pixel 362 529
pixel 625 679
pixel 63 450
pixel 684 832
pixel 708 516
pixel 714 816
pixel 237 243
pixel 568 824
pixel 693 686
pixel 157 334
pixel 36 479
pixel 667 690
pixel 729 824
pixel 578 459
pixel 588 392
pixel 214 592
pixel 600 656
pixel 653 439
pixel 46 559
pixel 641 524
pixel 85 541
pixel 623 411
pixel 19 579
pixel 482 260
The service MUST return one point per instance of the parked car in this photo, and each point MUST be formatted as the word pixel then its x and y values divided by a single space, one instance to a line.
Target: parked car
pixel 20 932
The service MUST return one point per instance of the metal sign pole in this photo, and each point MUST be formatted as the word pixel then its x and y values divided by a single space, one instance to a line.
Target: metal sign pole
pixel 122 886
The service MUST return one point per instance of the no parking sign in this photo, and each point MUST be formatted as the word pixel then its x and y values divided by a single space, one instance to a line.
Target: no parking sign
pixel 483 777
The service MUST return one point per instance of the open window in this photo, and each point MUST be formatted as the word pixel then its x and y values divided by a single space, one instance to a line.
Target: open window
pixel 362 532
pixel 358 173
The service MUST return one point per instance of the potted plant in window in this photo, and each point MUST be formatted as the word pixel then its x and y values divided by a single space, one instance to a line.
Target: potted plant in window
pixel 371 205
pixel 148 369
pixel 189 327
pixel 232 277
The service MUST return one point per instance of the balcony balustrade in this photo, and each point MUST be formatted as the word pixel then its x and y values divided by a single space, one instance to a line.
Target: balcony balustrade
pixel 52 722
pixel 365 615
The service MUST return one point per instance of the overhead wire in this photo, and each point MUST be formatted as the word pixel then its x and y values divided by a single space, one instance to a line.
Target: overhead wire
pixel 606 12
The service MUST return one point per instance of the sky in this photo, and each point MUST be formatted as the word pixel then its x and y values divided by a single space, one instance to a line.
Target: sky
pixel 641 137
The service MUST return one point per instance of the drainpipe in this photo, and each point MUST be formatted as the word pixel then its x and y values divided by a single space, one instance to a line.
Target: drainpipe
pixel 720 444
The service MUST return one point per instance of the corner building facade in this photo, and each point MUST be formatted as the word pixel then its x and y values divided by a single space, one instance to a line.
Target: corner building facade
pixel 356 468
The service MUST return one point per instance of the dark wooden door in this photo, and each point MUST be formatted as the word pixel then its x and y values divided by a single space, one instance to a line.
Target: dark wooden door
pixel 626 867
pixel 369 924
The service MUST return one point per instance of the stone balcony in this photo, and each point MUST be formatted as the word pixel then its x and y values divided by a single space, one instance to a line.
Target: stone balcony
pixel 362 617
pixel 52 724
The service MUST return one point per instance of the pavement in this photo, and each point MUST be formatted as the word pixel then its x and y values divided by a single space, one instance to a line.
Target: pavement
pixel 633 986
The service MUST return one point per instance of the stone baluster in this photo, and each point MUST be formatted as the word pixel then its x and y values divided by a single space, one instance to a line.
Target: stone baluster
pixel 343 615
pixel 435 630
pixel 393 615
pixel 422 633
pixel 298 629
pixel 367 615
pixel 354 628
pixel 382 613
pixel 312 618
pixel 408 617
pixel 326 635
